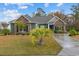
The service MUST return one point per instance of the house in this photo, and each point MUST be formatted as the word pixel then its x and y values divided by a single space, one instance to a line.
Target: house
pixel 69 20
pixel 38 21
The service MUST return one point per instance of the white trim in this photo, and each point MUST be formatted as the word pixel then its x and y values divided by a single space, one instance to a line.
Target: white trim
pixel 36 25
pixel 50 20
pixel 30 27
pixel 48 26
pixel 60 19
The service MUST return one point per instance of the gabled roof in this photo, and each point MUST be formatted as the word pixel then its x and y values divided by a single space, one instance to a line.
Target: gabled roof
pixel 55 18
pixel 26 16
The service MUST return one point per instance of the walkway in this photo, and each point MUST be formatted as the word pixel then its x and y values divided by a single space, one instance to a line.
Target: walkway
pixel 70 46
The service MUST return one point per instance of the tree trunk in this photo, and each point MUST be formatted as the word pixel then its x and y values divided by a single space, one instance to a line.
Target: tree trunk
pixel 40 42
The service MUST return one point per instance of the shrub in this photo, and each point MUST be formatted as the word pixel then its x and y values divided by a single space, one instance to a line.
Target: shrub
pixel 5 31
pixel 39 34
pixel 72 32
pixel 58 30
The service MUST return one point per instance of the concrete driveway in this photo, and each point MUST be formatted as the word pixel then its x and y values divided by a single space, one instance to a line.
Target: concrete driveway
pixel 70 46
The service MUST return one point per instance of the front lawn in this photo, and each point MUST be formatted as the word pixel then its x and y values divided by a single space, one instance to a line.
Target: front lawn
pixel 21 45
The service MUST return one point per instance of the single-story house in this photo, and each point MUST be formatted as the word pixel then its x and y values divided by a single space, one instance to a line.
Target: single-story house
pixel 38 21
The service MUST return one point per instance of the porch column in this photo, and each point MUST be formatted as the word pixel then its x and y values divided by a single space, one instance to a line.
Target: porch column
pixel 48 26
pixel 30 27
pixel 53 27
pixel 15 29
pixel 36 25
pixel 18 29
pixel 64 28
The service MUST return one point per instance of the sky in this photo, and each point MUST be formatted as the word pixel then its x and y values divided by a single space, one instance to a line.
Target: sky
pixel 11 11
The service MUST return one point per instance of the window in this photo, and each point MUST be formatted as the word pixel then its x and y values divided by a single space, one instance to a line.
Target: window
pixel 42 26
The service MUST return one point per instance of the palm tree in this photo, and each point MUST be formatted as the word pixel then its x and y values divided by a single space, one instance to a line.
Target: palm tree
pixel 40 34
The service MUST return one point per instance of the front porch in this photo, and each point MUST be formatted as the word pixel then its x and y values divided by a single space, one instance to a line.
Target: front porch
pixel 57 28
pixel 16 30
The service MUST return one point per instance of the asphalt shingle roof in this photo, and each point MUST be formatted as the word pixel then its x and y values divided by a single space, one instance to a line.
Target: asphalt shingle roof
pixel 40 19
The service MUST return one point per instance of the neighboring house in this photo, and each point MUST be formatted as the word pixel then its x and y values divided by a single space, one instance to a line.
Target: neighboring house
pixel 3 25
pixel 38 21
pixel 70 21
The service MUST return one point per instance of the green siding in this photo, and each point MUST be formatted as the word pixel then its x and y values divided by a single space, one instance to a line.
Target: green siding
pixel 33 26
pixel 43 25
pixel 12 28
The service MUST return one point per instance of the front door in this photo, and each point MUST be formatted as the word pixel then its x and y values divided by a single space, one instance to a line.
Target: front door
pixel 51 26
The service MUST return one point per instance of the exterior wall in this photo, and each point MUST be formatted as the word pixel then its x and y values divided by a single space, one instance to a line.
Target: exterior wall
pixel 33 25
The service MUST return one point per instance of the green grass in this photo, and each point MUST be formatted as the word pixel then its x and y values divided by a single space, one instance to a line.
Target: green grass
pixel 19 45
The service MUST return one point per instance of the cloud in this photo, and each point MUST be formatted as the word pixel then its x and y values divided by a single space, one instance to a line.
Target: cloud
pixel 24 5
pixel 20 5
pixel 6 4
pixel 46 4
pixel 30 4
pixel 59 4
pixel 9 15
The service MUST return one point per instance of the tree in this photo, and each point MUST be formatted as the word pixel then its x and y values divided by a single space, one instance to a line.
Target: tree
pixel 4 25
pixel 37 14
pixel 5 29
pixel 39 34
pixel 40 12
pixel 75 10
pixel 75 13
pixel 60 14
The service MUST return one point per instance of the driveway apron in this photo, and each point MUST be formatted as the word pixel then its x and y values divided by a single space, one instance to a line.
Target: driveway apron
pixel 70 46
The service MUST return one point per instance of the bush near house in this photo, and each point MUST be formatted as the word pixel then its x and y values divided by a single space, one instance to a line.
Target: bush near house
pixel 58 30
pixel 5 31
pixel 73 31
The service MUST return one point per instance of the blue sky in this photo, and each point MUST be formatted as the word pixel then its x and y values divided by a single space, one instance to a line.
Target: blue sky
pixel 12 11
